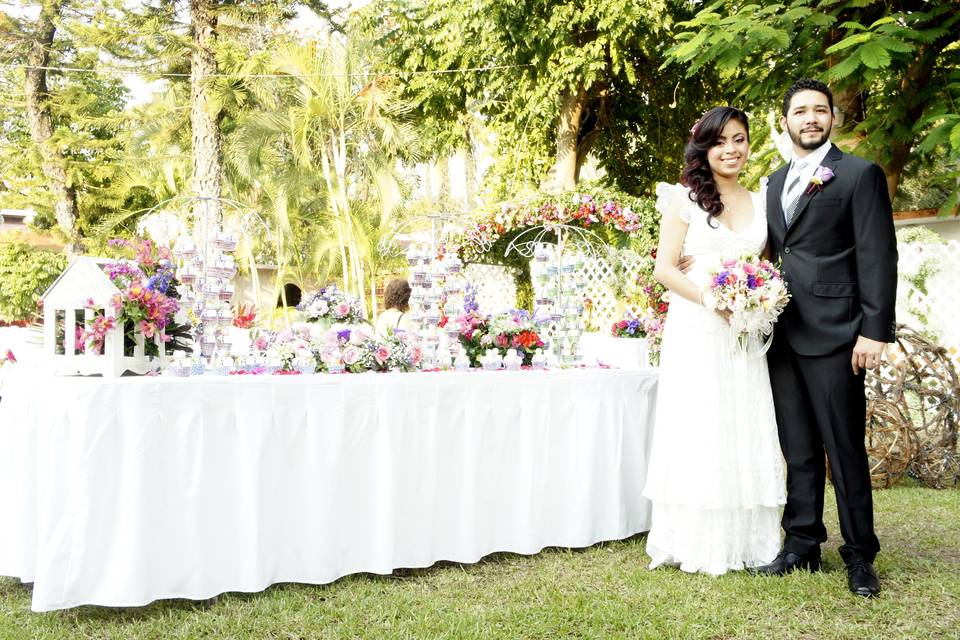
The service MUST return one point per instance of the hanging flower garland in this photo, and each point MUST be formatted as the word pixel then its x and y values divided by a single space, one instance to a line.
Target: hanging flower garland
pixel 618 218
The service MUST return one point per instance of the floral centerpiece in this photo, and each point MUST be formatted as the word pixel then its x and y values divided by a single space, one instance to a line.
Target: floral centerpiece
pixel 399 351
pixel 472 327
pixel 287 351
pixel 514 330
pixel 355 350
pixel 754 293
pixel 330 305
pixel 293 351
pixel 338 350
pixel 147 302
pixel 629 327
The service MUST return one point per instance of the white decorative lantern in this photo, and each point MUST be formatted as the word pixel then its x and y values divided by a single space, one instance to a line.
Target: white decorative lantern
pixel 64 306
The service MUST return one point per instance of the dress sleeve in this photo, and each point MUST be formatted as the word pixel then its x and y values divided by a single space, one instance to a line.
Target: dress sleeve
pixel 673 199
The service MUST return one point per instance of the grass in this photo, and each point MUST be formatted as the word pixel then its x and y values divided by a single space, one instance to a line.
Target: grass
pixel 601 592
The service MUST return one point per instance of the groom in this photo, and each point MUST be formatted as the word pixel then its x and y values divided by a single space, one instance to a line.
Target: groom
pixel 830 223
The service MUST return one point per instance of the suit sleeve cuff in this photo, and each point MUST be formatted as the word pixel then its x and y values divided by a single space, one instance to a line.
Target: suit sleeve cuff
pixel 879 329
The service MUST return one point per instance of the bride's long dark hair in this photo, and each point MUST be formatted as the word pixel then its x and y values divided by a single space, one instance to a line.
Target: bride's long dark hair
pixel 696 171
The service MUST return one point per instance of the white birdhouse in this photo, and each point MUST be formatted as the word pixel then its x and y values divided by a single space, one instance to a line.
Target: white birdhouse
pixel 64 310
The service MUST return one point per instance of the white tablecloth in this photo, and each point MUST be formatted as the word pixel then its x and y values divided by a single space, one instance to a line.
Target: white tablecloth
pixel 120 492
pixel 623 353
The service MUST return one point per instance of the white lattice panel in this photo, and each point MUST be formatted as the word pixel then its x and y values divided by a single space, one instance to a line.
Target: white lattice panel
pixel 496 289
pixel 941 305
pixel 602 278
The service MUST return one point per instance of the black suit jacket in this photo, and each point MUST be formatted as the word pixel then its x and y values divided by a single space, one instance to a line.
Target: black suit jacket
pixel 839 257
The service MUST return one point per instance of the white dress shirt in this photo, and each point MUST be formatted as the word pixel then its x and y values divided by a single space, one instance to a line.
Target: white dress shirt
pixel 804 167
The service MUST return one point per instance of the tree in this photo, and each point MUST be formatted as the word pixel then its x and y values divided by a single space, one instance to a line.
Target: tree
pixel 894 68
pixel 36 40
pixel 555 80
pixel 87 126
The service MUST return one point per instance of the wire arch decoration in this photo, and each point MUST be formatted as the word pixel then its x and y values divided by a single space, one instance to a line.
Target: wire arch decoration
pixel 248 220
pixel 526 242
pixel 248 215
pixel 390 247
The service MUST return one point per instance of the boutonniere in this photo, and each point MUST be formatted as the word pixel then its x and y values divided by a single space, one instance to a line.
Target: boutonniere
pixel 821 176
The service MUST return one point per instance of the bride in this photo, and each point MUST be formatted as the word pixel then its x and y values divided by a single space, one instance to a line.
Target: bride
pixel 716 474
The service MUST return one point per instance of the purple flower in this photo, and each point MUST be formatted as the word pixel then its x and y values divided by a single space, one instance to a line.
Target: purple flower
pixel 520 315
pixel 159 283
pixel 343 335
pixel 720 279
pixel 470 299
pixel 821 176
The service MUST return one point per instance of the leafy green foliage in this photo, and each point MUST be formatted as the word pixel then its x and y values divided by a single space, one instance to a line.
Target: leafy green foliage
pixel 635 119
pixel 894 68
pixel 25 273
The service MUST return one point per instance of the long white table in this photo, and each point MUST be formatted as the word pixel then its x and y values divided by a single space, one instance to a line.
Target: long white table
pixel 120 492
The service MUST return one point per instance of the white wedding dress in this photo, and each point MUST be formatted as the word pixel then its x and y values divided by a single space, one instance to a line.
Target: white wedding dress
pixel 716 473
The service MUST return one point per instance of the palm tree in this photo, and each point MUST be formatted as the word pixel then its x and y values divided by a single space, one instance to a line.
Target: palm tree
pixel 325 146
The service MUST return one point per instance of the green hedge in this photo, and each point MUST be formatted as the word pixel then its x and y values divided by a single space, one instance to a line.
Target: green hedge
pixel 25 273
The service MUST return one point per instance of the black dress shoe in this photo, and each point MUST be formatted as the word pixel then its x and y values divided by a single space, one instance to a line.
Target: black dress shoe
pixel 862 578
pixel 787 562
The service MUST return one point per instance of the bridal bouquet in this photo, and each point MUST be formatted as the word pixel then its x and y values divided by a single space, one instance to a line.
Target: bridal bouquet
pixel 753 291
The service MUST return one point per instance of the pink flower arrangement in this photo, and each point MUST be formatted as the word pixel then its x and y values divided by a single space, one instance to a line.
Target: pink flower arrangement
pixel 358 351
pixel 147 301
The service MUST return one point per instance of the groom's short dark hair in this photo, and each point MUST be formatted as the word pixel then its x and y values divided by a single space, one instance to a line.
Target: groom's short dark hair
pixel 806 84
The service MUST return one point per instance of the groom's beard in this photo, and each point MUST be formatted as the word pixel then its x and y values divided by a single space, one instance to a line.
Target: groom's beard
pixel 809 145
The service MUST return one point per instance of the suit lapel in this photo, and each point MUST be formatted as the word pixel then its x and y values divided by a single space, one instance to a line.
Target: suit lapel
pixel 830 161
pixel 774 192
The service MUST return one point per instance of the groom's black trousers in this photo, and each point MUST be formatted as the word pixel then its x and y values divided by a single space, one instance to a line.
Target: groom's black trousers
pixel 820 405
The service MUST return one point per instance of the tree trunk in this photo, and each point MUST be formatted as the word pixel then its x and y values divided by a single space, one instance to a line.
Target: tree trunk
pixel 443 170
pixel 563 174
pixel 470 175
pixel 915 80
pixel 41 124
pixel 204 117
pixel 583 150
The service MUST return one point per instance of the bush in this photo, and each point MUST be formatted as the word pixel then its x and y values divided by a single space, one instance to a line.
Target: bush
pixel 25 273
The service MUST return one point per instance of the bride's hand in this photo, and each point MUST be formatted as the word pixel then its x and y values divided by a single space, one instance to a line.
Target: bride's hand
pixel 725 314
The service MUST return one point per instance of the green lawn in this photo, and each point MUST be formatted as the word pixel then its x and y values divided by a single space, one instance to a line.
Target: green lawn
pixel 601 592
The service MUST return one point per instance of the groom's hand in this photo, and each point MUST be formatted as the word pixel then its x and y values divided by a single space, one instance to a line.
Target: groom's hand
pixel 866 354
pixel 684 263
